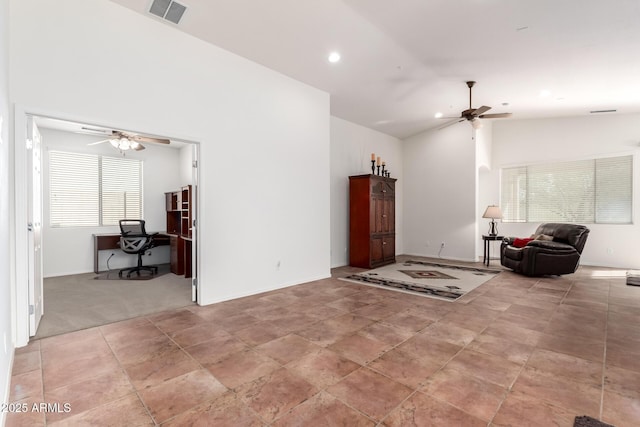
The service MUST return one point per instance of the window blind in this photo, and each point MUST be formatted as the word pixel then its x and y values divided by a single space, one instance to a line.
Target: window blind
pixel 121 190
pixel 91 190
pixel 74 191
pixel 585 191
pixel 614 189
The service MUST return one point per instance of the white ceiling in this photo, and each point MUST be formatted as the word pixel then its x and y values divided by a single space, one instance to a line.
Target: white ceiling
pixel 403 61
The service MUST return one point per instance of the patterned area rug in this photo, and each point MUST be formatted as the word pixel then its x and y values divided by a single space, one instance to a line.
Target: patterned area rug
pixel 586 421
pixel 442 281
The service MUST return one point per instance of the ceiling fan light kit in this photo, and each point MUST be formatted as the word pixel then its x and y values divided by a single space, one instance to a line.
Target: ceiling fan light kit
pixel 124 144
pixel 123 141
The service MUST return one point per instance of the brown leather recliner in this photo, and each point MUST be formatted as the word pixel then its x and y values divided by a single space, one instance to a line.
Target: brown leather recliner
pixel 546 257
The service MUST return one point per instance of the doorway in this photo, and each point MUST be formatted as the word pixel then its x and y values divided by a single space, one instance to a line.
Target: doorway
pixel 75 245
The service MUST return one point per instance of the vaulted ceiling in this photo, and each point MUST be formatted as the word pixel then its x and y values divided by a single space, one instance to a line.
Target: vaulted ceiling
pixel 404 61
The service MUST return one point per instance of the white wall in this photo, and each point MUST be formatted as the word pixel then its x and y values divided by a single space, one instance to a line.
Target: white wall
pixel 186 164
pixel 264 153
pixel 351 148
pixel 6 343
pixel 161 173
pixel 521 142
pixel 440 193
pixel 486 180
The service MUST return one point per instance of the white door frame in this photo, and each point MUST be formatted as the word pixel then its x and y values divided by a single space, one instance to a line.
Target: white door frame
pixel 34 214
pixel 21 230
pixel 195 223
pixel 21 206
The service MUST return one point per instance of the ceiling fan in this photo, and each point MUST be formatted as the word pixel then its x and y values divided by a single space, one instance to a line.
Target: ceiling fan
pixel 474 114
pixel 124 141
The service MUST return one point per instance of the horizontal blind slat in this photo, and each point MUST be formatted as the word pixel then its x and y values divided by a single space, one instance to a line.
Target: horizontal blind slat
pixel 73 189
pixel 76 191
pixel 585 191
pixel 121 189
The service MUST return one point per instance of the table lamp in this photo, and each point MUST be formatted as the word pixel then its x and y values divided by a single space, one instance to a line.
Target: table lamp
pixel 494 213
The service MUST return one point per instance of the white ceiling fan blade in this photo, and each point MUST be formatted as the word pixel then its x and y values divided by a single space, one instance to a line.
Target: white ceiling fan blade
pixel 451 123
pixel 99 142
pixel 495 116
pixel 141 138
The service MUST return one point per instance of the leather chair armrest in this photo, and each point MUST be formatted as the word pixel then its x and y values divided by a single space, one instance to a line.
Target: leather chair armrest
pixel 551 245
pixel 508 240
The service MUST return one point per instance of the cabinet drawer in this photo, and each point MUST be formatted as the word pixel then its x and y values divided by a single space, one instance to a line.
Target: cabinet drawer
pixel 176 255
pixel 383 188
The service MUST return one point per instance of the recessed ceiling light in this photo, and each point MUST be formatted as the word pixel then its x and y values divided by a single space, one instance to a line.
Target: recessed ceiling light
pixel 438 115
pixel 334 57
pixel 545 93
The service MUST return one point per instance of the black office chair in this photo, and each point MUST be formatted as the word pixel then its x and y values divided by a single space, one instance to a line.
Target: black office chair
pixel 135 240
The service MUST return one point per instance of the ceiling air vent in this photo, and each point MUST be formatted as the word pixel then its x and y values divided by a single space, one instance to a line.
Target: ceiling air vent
pixel 167 9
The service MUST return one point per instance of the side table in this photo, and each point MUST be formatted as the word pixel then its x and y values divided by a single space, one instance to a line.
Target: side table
pixel 487 246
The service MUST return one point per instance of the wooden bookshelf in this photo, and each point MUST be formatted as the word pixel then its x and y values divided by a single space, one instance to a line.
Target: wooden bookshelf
pixel 179 207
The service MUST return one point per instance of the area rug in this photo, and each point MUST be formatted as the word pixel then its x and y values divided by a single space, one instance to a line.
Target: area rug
pixel 435 280
pixel 586 421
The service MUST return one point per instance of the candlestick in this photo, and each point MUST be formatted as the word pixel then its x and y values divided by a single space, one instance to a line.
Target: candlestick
pixel 378 169
pixel 383 169
pixel 373 167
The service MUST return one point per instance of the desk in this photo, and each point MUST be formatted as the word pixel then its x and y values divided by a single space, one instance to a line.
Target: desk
pixel 487 246
pixel 180 255
pixel 102 242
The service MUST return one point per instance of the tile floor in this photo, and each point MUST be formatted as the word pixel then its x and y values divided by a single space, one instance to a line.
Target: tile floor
pixel 516 351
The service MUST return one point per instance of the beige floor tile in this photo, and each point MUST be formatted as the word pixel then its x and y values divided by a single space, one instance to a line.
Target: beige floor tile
pixel 370 393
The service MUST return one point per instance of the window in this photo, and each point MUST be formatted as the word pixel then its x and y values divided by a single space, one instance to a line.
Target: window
pixel 585 191
pixel 91 190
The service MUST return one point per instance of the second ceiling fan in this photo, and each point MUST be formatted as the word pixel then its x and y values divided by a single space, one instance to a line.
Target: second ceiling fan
pixel 474 114
pixel 124 141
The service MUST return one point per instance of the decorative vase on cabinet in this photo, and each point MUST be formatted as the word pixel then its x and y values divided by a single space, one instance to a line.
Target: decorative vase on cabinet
pixel 372 228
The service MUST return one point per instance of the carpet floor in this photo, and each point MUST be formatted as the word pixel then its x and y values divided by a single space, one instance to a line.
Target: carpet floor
pixel 76 302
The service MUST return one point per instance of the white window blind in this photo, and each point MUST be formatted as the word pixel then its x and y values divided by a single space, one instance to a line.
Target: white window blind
pixel 73 189
pixel 91 190
pixel 121 190
pixel 585 191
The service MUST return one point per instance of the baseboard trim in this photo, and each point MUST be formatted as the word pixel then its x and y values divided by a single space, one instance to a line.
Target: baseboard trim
pixel 266 289
pixel 7 386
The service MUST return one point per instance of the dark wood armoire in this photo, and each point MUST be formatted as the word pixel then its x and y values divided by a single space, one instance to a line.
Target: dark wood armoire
pixel 372 221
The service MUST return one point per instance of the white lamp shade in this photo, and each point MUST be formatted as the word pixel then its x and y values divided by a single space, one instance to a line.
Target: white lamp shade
pixel 124 144
pixel 492 212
